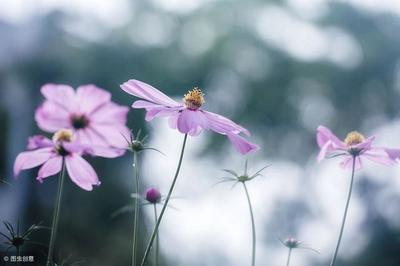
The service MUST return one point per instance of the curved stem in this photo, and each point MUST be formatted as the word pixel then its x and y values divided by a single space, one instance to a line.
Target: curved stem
pixel 253 227
pixel 136 211
pixel 345 213
pixel 157 225
pixel 288 257
pixel 156 251
pixel 56 215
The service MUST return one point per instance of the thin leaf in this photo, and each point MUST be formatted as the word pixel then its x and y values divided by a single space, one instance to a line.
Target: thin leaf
pixel 231 172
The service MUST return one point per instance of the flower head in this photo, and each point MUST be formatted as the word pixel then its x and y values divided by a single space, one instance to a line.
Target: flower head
pixel 291 242
pixel 88 112
pixel 356 146
pixel 50 154
pixel 188 117
pixel 153 195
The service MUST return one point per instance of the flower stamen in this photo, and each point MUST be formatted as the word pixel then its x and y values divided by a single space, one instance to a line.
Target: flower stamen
pixel 63 135
pixel 354 138
pixel 194 99
pixel 79 121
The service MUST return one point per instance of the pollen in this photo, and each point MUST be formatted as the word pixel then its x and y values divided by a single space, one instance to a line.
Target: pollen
pixel 63 135
pixel 354 138
pixel 194 99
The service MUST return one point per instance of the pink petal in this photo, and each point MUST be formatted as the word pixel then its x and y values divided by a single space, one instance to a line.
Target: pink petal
pixel 192 122
pixel 81 172
pixel 366 144
pixel 379 155
pixel 109 135
pixel 223 125
pixel 323 151
pixel 394 154
pixel 62 95
pixel 31 159
pixel 324 135
pixel 241 144
pixel 90 97
pixel 106 152
pixel 147 92
pixel 347 162
pixel 39 141
pixel 49 168
pixel 110 113
pixel 51 117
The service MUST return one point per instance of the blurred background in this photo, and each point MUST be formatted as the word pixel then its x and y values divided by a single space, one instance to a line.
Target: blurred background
pixel 279 68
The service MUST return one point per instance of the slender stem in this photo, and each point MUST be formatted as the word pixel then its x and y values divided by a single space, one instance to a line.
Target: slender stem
pixel 18 255
pixel 156 251
pixel 253 227
pixel 136 208
pixel 157 225
pixel 288 257
pixel 345 213
pixel 56 215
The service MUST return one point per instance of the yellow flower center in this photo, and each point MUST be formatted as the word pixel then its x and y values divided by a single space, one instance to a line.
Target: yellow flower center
pixel 194 99
pixel 63 135
pixel 354 138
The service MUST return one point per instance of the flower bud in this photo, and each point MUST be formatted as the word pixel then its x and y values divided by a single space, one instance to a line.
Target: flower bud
pixel 153 195
pixel 291 242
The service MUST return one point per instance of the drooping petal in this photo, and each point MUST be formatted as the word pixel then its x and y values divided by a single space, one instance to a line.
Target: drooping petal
pixel 89 98
pixel 147 92
pixel 81 172
pixel 31 159
pixel 223 125
pixel 381 156
pixel 51 117
pixel 323 151
pixel 39 141
pixel 366 144
pixel 347 162
pixel 62 95
pixel 110 113
pixel 324 135
pixel 49 168
pixel 394 154
pixel 241 144
pixel 192 122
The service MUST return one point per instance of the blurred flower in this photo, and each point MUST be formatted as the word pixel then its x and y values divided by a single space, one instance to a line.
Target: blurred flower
pixel 354 145
pixel 153 195
pixel 51 153
pixel 292 243
pixel 187 117
pixel 89 112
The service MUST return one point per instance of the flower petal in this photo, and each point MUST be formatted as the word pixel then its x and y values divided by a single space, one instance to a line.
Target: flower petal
pixel 110 113
pixel 241 144
pixel 109 135
pixel 347 162
pixel 223 125
pixel 381 156
pixel 147 92
pixel 31 159
pixel 62 95
pixel 192 122
pixel 81 172
pixel 324 135
pixel 39 141
pixel 89 97
pixel 49 168
pixel 51 117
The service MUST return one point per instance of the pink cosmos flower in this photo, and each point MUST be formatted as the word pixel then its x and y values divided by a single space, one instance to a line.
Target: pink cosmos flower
pixel 354 145
pixel 51 153
pixel 187 117
pixel 88 111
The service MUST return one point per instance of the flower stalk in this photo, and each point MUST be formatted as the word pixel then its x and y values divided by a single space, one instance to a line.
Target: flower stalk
pixel 56 215
pixel 288 258
pixel 156 250
pixel 157 225
pixel 253 227
pixel 345 212
pixel 136 212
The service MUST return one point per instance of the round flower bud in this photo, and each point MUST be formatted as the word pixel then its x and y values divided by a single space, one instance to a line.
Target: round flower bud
pixel 153 195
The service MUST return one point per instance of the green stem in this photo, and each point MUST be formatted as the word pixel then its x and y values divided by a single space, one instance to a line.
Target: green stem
pixel 18 255
pixel 156 251
pixel 345 213
pixel 157 225
pixel 288 257
pixel 136 208
pixel 253 227
pixel 56 215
